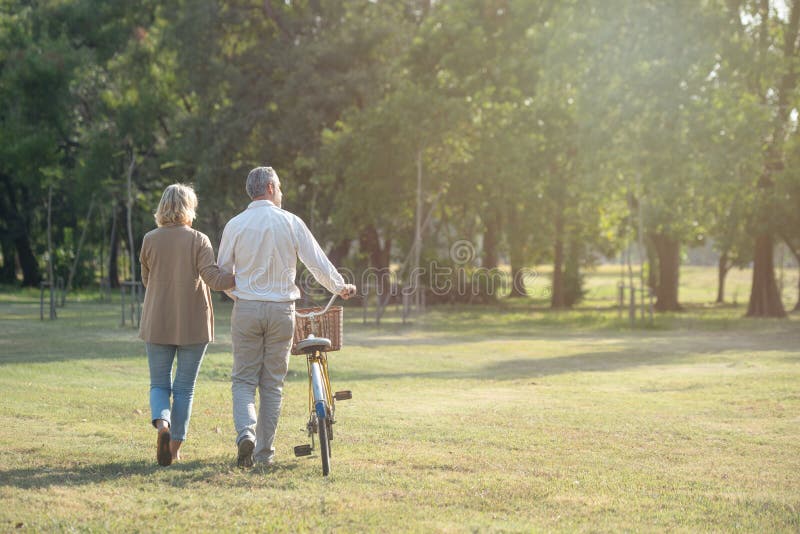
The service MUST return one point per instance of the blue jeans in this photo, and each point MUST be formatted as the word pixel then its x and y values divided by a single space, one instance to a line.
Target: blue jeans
pixel 160 358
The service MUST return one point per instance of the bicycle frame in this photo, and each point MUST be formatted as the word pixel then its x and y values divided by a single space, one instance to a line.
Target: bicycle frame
pixel 319 384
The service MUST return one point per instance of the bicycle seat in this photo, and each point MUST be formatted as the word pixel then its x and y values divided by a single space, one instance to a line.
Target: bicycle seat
pixel 311 344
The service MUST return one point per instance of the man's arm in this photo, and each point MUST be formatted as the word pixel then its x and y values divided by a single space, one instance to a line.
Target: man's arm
pixel 312 256
pixel 225 256
pixel 211 274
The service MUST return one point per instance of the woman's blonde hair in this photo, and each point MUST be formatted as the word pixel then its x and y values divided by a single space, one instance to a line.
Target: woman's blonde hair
pixel 177 206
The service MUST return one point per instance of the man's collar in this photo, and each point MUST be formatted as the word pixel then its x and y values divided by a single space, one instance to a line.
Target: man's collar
pixel 257 203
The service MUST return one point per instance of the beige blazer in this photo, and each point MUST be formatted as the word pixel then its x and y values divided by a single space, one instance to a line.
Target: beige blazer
pixel 177 263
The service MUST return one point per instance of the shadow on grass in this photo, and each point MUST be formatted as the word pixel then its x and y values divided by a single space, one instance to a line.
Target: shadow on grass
pixel 46 476
pixel 654 351
pixel 92 331
pixel 219 471
pixel 523 368
pixel 593 362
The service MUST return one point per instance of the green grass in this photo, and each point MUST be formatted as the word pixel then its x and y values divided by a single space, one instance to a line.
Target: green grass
pixel 505 418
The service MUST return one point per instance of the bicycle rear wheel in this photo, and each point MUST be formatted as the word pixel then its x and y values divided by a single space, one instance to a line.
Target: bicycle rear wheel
pixel 324 445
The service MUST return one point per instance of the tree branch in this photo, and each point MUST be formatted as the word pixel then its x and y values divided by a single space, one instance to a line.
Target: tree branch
pixel 275 16
pixel 186 104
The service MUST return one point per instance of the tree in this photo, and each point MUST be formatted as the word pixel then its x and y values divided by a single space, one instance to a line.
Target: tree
pixel 490 55
pixel 763 51
pixel 728 142
pixel 60 84
pixel 658 57
pixel 35 129
pixel 788 191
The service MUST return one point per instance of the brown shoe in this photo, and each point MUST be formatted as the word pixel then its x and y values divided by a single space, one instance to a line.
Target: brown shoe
pixel 245 459
pixel 162 451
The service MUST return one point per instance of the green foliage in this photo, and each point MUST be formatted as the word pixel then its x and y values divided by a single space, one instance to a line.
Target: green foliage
pixel 539 126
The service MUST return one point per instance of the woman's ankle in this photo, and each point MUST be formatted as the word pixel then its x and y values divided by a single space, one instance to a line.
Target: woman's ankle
pixel 161 425
pixel 175 448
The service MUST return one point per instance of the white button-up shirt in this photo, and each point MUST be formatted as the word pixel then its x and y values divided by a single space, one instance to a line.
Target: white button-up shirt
pixel 261 246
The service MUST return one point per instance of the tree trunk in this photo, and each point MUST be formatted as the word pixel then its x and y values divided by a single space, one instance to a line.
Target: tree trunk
pixel 669 260
pixel 764 298
pixel 722 272
pixel 370 242
pixel 486 290
pixel 31 276
pixel 50 270
pixel 418 231
pixel 339 252
pixel 557 296
pixel 129 213
pixel 652 267
pixel 573 280
pixel 378 258
pixel 797 306
pixel 8 273
pixel 490 239
pixel 113 250
pixel 516 256
pixel 517 282
pixel 80 246
pixel 18 233
pixel 765 301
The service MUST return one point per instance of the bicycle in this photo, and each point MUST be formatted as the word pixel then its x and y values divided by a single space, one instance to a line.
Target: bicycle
pixel 321 403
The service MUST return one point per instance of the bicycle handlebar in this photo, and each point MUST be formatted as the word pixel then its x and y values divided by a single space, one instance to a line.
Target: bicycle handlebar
pixel 318 313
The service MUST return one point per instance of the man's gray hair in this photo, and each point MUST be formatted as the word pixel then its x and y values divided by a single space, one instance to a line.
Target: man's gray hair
pixel 258 179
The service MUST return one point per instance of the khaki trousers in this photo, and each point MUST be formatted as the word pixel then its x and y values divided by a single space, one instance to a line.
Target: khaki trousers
pixel 261 333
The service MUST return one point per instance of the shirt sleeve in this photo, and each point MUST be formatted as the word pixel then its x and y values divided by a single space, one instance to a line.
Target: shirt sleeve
pixel 225 259
pixel 211 274
pixel 225 256
pixel 312 256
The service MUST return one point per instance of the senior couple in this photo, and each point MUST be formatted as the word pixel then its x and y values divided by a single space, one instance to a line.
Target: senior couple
pixel 256 266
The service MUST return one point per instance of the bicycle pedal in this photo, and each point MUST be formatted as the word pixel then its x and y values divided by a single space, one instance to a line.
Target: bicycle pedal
pixel 343 395
pixel 302 450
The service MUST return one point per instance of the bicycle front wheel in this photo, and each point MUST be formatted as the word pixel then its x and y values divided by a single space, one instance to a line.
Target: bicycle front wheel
pixel 324 445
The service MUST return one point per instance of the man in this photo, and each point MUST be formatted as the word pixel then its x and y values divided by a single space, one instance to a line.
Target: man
pixel 261 246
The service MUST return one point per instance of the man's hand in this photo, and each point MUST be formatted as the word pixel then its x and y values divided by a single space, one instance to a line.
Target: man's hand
pixel 348 291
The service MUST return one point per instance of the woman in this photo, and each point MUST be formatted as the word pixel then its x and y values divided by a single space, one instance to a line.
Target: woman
pixel 178 268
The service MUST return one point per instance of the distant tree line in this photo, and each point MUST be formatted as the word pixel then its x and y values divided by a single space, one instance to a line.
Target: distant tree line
pixel 542 131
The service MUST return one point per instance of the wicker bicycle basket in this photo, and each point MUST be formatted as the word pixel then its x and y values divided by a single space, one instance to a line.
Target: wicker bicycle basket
pixel 328 325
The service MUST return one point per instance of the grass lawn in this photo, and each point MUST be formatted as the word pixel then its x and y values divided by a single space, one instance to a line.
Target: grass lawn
pixel 470 419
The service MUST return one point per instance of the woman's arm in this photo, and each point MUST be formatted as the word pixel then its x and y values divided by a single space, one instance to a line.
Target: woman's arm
pixel 211 274
pixel 144 261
